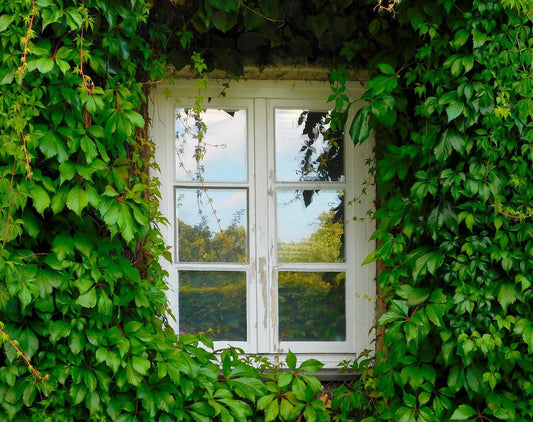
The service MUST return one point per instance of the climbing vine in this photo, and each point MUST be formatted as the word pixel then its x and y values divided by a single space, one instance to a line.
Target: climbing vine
pixel 82 300
pixel 452 112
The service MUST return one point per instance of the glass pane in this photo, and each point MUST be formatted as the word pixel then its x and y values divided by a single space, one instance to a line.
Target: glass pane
pixel 213 300
pixel 302 153
pixel 310 226
pixel 311 306
pixel 219 156
pixel 212 225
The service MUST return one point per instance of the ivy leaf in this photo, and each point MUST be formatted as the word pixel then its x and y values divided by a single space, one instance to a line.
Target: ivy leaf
pixel 63 245
pixel 140 364
pixel 291 360
pixel 135 118
pixel 224 21
pixel 272 410
pixel 44 64
pixel 460 38
pixel 507 295
pixel 360 129
pixel 59 329
pixel 454 110
pixel 88 299
pixel 311 365
pixel 89 148
pixel 463 412
pixel 225 5
pixel 40 197
pixel 5 21
pixel 386 69
pixel 449 141
pixel 77 199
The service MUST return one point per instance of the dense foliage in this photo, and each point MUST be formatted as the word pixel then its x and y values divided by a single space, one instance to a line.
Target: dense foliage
pixel 82 304
pixel 82 299
pixel 453 109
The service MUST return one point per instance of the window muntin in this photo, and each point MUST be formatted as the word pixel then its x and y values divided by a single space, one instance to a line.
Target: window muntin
pixel 267 287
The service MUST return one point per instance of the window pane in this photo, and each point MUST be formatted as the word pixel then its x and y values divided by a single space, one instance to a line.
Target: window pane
pixel 312 306
pixel 220 156
pixel 213 300
pixel 310 226
pixel 212 225
pixel 302 154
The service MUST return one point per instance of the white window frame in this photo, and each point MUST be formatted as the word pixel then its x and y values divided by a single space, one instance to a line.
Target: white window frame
pixel 260 98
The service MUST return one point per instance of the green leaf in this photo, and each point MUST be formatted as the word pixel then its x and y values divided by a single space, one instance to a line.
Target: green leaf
pixel 135 118
pixel 5 21
pixel 284 379
pixel 386 69
pixel 449 141
pixel 40 197
pixel 225 5
pixel 454 110
pixel 224 21
pixel 272 410
pixel 463 412
pixel 291 360
pixel 460 38
pixel 311 365
pixel 59 200
pixel 89 148
pixel 507 295
pixel 59 329
pixel 67 171
pixel 360 128
pixel 88 299
pixel 77 199
pixel 264 401
pixel 63 245
pixel 44 64
pixel 140 364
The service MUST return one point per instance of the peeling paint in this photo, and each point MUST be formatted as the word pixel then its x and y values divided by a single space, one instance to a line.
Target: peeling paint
pixel 263 282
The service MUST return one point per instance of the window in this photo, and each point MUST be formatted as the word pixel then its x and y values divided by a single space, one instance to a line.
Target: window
pixel 268 227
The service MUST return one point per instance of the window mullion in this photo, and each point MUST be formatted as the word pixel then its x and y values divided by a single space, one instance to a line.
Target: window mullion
pixel 261 227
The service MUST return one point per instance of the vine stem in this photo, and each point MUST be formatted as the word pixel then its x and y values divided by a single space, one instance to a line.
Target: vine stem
pixel 281 22
pixel 10 206
pixel 36 373
pixel 27 39
pixel 88 86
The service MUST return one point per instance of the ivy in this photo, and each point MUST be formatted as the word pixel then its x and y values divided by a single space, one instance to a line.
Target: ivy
pixel 454 227
pixel 449 105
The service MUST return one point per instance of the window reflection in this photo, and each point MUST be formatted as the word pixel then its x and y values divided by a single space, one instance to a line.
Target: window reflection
pixel 306 148
pixel 220 156
pixel 213 301
pixel 212 225
pixel 310 231
pixel 312 306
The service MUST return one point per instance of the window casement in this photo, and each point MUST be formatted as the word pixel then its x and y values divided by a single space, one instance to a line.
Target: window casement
pixel 268 223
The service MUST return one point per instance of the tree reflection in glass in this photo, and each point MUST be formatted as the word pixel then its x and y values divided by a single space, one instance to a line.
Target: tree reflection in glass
pixel 309 233
pixel 307 149
pixel 206 144
pixel 213 300
pixel 212 225
pixel 311 306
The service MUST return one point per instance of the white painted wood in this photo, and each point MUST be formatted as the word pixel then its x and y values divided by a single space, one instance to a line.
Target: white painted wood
pixel 260 98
